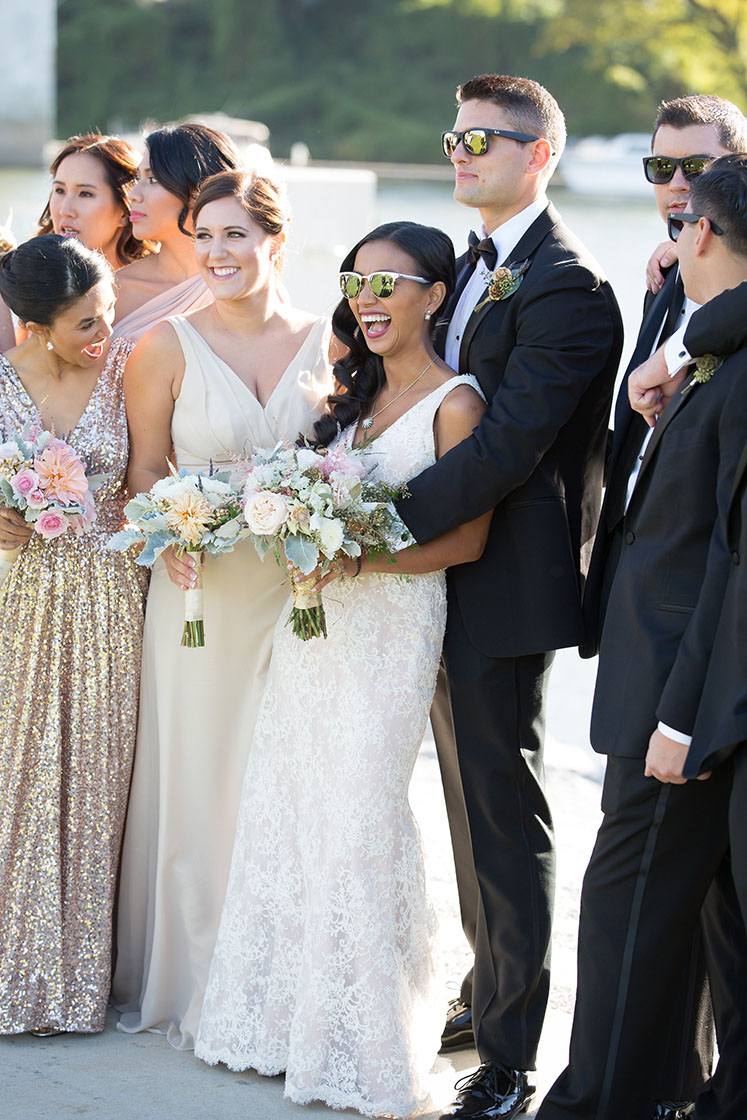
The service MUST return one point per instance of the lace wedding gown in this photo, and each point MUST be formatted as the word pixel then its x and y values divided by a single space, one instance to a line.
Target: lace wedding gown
pixel 323 966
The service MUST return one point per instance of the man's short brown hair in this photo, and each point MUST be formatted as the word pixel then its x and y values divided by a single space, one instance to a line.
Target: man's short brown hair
pixel 530 106
pixel 705 108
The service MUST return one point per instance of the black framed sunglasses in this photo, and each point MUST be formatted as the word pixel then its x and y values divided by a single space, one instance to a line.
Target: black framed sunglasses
pixel 381 283
pixel 676 223
pixel 475 140
pixel 660 169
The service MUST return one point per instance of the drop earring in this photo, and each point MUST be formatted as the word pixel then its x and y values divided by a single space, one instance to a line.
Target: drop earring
pixel 49 345
pixel 427 314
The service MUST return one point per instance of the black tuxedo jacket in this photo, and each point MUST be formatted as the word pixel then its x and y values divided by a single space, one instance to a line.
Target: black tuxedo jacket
pixel 654 643
pixel 721 721
pixel 545 358
pixel 628 424
pixel 721 326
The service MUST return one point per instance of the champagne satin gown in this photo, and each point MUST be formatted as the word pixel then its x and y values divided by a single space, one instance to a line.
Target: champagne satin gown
pixel 198 706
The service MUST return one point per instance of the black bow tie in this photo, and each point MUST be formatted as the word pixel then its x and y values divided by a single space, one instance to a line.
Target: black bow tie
pixel 485 249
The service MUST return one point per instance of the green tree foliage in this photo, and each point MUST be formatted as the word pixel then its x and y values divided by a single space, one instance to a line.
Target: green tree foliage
pixel 377 81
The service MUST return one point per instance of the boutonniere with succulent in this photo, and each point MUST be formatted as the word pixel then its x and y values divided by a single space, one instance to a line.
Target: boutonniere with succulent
pixel 504 282
pixel 705 367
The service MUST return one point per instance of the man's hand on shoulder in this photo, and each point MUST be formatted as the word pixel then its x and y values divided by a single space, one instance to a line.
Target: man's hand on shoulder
pixel 662 257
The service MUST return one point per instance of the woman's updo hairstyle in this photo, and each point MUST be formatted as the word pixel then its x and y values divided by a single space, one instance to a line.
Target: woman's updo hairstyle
pixel 361 372
pixel 119 161
pixel 46 275
pixel 182 156
pixel 261 198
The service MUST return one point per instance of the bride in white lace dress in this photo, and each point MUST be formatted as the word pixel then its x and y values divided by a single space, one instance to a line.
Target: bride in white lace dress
pixel 323 966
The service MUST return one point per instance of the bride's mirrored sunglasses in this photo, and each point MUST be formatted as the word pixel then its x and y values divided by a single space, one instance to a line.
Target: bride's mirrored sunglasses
pixel 475 140
pixel 380 283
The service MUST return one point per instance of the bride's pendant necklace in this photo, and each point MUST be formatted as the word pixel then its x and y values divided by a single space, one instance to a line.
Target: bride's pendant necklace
pixel 370 419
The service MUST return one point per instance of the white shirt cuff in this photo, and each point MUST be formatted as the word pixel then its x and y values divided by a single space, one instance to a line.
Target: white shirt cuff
pixel 676 353
pixel 677 736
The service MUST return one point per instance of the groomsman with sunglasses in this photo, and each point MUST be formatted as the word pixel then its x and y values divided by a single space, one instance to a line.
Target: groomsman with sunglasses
pixel 642 1044
pixel 535 321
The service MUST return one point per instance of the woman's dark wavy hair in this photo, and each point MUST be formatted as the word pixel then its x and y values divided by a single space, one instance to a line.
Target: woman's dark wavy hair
pixel 360 373
pixel 119 161
pixel 182 156
pixel 43 277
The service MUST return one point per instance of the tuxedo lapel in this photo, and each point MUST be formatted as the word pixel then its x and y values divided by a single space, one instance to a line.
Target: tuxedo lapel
pixel 526 246
pixel 672 295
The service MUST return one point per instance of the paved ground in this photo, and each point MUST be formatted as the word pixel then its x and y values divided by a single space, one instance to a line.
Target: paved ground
pixel 139 1077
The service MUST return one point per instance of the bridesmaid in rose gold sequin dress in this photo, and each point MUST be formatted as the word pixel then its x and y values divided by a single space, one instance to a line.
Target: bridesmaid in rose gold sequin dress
pixel 71 616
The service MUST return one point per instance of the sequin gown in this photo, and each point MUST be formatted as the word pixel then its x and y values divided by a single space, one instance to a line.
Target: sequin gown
pixel 71 618
pixel 198 706
pixel 323 966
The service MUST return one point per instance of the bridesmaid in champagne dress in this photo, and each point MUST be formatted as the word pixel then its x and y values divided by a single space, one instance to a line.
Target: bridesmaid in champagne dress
pixel 70 643
pixel 177 160
pixel 241 374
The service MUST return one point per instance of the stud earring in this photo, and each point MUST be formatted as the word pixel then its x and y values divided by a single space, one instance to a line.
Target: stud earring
pixel 49 345
pixel 428 314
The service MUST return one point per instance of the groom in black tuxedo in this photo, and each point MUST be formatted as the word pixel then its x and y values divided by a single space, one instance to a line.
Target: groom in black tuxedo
pixel 543 335
pixel 660 846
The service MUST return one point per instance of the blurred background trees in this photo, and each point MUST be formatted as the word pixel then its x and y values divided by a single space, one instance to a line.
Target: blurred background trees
pixel 376 81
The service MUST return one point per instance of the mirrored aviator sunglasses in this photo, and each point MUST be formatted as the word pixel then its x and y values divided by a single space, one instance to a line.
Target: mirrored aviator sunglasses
pixel 381 283
pixel 660 169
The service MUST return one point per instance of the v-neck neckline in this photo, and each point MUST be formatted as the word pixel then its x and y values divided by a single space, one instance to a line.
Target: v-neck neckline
pixel 92 396
pixel 235 375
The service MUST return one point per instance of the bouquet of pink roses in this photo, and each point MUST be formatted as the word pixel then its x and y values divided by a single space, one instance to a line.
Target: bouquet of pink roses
pixel 45 479
pixel 319 505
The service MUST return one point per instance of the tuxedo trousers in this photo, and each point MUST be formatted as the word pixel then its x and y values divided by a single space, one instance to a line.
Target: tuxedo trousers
pixel 442 723
pixel 498 713
pixel 642 1028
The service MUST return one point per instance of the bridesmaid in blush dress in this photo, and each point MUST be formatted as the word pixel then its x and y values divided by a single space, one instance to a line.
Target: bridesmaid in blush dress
pixel 71 617
pixel 242 373
pixel 91 179
pixel 177 160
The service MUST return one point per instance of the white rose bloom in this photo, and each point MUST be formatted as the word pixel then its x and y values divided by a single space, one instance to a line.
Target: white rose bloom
pixel 306 458
pixel 330 535
pixel 265 513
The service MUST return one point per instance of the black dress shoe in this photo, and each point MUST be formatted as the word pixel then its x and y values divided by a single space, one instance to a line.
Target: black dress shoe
pixel 673 1110
pixel 457 1034
pixel 492 1091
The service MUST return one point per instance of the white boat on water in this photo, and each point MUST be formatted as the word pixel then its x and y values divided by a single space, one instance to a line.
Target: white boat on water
pixel 607 165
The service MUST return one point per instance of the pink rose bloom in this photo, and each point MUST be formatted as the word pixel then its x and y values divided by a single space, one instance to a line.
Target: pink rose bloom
pixel 25 482
pixel 62 475
pixel 36 499
pixel 51 524
pixel 265 512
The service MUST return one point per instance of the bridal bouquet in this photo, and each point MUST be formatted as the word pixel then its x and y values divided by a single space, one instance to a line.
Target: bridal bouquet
pixel 43 478
pixel 196 513
pixel 319 506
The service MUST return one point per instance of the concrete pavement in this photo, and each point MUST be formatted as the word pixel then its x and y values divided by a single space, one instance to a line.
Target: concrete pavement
pixel 112 1076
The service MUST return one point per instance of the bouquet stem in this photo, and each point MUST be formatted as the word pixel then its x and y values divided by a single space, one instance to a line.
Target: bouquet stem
pixel 8 557
pixel 193 635
pixel 307 618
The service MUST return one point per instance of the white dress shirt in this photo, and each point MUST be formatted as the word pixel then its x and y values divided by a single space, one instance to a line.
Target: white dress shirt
pixel 505 238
